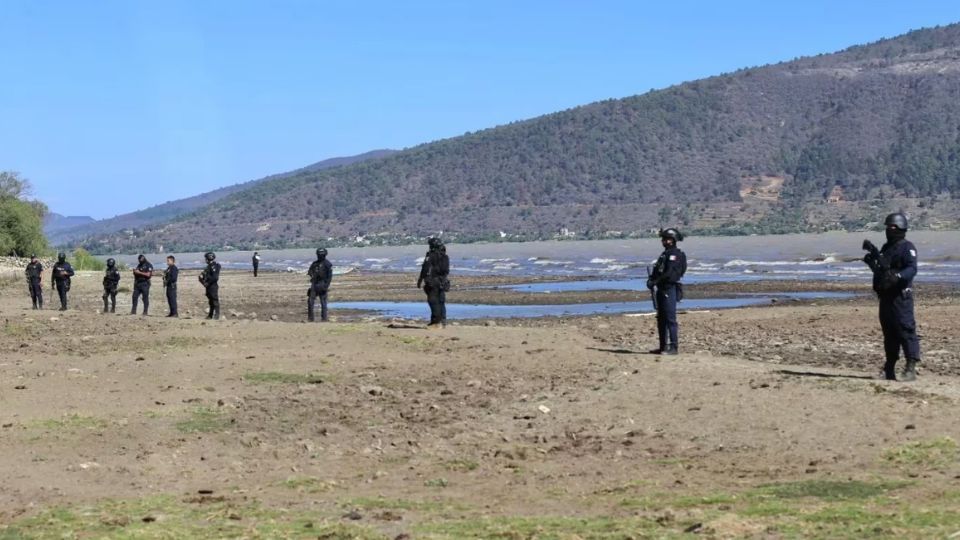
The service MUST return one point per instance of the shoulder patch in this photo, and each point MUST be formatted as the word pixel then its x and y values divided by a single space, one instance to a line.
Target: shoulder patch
pixel 913 253
pixel 673 257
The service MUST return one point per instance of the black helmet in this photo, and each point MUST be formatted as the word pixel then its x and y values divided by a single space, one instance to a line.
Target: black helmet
pixel 33 256
pixel 61 256
pixel 110 263
pixel 210 256
pixel 321 252
pixel 141 257
pixel 897 220
pixel 434 242
pixel 671 233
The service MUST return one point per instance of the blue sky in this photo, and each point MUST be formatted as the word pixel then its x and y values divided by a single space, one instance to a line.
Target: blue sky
pixel 112 106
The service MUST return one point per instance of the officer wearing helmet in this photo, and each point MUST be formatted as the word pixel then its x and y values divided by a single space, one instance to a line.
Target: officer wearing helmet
pixel 34 273
pixel 894 267
pixel 434 278
pixel 665 282
pixel 321 273
pixel 111 282
pixel 141 284
pixel 62 272
pixel 210 279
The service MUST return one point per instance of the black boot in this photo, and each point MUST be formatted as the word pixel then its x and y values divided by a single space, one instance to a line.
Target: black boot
pixel 890 370
pixel 910 371
pixel 671 350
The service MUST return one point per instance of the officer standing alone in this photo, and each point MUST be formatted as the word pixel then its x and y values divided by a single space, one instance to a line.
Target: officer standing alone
pixel 34 273
pixel 665 281
pixel 434 278
pixel 256 263
pixel 141 284
pixel 210 279
pixel 894 267
pixel 111 282
pixel 62 272
pixel 170 277
pixel 321 273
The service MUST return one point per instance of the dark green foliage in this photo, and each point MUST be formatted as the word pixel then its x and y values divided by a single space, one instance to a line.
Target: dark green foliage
pixel 21 220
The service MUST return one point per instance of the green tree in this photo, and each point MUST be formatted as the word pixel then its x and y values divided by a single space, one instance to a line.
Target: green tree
pixel 21 220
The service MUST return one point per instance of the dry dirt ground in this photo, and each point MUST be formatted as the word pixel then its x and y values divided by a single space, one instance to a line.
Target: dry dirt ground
pixel 769 424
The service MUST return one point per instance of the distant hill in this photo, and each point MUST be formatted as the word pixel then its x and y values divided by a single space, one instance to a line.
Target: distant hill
pixel 53 222
pixel 173 209
pixel 811 144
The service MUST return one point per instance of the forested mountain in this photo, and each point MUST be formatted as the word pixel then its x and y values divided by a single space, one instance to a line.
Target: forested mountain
pixel 61 232
pixel 54 222
pixel 814 143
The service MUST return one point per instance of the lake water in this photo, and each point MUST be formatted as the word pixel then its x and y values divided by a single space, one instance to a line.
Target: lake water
pixel 831 256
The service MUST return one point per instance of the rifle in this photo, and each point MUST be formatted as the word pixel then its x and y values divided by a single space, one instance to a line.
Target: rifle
pixel 886 277
pixel 653 291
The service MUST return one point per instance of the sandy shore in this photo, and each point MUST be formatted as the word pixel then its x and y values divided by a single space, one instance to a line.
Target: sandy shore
pixel 769 424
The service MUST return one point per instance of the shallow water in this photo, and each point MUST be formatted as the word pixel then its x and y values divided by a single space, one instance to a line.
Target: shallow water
pixel 413 310
pixel 831 256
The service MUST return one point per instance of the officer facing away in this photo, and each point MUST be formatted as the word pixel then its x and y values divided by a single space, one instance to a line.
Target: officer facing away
pixel 256 263
pixel 62 272
pixel 141 284
pixel 665 278
pixel 894 266
pixel 435 282
pixel 111 282
pixel 170 276
pixel 34 273
pixel 321 273
pixel 210 279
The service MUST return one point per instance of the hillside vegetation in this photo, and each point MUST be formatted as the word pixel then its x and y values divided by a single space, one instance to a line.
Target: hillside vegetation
pixel 811 144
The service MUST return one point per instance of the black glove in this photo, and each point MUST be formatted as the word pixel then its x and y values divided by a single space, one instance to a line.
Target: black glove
pixel 420 283
pixel 651 284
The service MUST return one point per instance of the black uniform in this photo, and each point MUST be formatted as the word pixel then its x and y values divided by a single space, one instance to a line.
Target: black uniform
pixel 170 284
pixel 210 278
pixel 893 273
pixel 141 286
pixel 62 272
pixel 666 275
pixel 35 283
pixel 321 273
pixel 111 282
pixel 256 264
pixel 434 275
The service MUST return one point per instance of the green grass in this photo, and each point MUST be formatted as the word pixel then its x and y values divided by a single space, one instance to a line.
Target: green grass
pixel 71 422
pixel 929 454
pixel 169 518
pixel 309 484
pixel 276 377
pixel 828 490
pixel 461 465
pixel 203 420
pixel 654 502
pixel 545 528
pixel 383 503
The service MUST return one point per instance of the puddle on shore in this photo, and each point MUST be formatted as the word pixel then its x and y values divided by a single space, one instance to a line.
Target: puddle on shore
pixel 413 310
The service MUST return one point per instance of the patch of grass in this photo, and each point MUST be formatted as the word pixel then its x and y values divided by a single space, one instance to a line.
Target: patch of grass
pixel 927 454
pixel 276 377
pixel 204 420
pixel 857 521
pixel 546 527
pixel 828 490
pixel 166 517
pixel 16 330
pixel 661 502
pixel 437 482
pixel 383 503
pixel 461 465
pixel 71 422
pixel 309 484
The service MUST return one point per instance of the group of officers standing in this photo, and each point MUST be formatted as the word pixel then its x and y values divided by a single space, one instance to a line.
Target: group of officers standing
pixel 894 267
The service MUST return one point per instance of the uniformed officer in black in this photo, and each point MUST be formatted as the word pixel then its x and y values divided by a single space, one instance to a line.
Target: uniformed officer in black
pixel 256 263
pixel 141 284
pixel 111 282
pixel 62 272
pixel 894 267
pixel 35 282
pixel 170 276
pixel 210 278
pixel 434 274
pixel 321 273
pixel 665 279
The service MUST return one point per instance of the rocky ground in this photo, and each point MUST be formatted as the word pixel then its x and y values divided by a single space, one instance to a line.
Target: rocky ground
pixel 769 424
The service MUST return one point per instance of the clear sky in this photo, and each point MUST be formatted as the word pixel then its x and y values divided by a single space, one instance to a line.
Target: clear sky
pixel 110 106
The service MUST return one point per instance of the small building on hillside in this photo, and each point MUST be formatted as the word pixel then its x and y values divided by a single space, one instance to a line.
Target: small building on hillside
pixel 836 195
